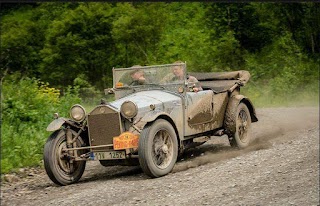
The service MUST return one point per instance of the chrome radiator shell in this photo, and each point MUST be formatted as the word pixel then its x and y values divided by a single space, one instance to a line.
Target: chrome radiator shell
pixel 104 123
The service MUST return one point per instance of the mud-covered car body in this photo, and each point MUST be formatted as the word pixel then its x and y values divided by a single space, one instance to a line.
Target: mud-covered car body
pixel 150 123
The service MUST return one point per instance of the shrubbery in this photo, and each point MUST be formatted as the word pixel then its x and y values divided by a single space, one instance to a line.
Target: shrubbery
pixel 27 108
pixel 282 75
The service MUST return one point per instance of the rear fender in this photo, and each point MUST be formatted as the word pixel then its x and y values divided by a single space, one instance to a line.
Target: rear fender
pixel 237 99
pixel 252 110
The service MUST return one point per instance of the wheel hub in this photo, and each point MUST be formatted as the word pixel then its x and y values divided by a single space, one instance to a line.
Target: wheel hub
pixel 165 149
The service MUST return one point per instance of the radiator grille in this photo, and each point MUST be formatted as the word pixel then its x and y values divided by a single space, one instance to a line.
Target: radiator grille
pixel 104 124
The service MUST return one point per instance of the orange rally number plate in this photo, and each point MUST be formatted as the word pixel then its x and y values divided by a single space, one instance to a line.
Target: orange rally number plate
pixel 126 140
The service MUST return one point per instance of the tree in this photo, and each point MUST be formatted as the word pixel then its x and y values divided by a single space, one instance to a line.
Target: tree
pixel 20 43
pixel 137 31
pixel 79 42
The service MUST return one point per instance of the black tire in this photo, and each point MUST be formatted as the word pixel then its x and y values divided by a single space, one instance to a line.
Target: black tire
pixel 58 168
pixel 238 126
pixel 158 148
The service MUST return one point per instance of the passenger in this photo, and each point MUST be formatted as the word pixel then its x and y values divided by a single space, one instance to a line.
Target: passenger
pixel 178 72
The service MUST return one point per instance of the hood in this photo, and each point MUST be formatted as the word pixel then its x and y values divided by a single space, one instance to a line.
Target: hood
pixel 145 98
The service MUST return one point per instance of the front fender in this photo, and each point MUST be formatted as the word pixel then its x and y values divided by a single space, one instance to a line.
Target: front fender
pixel 56 124
pixel 149 117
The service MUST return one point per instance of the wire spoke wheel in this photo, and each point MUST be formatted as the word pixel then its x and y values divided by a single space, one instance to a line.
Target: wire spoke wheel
pixel 239 126
pixel 60 169
pixel 158 148
pixel 162 149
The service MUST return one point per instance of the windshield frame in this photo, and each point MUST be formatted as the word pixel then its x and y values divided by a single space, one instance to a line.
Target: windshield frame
pixel 149 69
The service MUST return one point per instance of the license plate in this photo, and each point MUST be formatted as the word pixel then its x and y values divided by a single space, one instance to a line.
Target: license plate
pixel 109 155
pixel 126 140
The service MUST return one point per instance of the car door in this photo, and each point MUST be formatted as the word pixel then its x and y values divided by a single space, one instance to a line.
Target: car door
pixel 199 112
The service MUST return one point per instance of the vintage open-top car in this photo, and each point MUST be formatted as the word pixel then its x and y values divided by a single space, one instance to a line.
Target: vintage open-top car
pixel 151 122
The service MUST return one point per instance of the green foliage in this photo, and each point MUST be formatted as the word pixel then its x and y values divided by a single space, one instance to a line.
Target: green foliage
pixel 80 42
pixel 53 39
pixel 185 37
pixel 137 31
pixel 88 93
pixel 27 108
pixel 282 74
pixel 16 51
pixel 227 53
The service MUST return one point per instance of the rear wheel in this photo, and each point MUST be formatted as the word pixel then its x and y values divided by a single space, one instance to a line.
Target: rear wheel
pixel 158 148
pixel 57 165
pixel 238 126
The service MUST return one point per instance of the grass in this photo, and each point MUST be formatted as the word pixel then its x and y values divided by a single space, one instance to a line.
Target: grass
pixel 263 96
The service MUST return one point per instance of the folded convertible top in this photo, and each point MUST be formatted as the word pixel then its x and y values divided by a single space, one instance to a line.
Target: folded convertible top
pixel 221 81
pixel 241 75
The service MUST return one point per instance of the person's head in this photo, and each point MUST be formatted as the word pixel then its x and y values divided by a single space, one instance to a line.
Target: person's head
pixel 177 69
pixel 137 73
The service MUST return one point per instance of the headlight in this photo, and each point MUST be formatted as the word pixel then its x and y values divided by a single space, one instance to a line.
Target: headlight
pixel 129 109
pixel 77 112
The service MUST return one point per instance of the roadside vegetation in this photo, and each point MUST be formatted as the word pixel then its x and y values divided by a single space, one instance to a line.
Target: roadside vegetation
pixel 54 55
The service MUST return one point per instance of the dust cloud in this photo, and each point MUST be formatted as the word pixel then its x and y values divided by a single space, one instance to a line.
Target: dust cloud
pixel 273 124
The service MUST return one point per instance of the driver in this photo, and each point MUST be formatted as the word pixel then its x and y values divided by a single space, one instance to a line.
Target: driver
pixel 137 76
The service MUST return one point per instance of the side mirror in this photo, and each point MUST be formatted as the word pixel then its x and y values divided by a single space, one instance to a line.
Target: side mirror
pixel 108 91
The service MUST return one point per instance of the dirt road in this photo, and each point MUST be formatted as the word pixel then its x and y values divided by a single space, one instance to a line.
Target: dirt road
pixel 280 168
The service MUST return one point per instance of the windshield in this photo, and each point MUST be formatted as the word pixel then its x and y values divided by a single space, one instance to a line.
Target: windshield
pixel 157 75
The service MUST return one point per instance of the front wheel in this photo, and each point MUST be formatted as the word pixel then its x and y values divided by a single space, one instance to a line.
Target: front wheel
pixel 158 148
pixel 239 126
pixel 57 165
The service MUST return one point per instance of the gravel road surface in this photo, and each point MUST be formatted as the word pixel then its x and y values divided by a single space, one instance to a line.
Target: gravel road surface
pixel 281 167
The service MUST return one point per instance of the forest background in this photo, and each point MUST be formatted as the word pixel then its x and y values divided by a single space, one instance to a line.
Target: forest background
pixel 57 54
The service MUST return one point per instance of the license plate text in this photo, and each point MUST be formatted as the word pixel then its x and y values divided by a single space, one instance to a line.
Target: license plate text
pixel 109 155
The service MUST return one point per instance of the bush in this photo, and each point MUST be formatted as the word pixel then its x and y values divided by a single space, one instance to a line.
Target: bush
pixel 27 108
pixel 282 75
pixel 88 93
